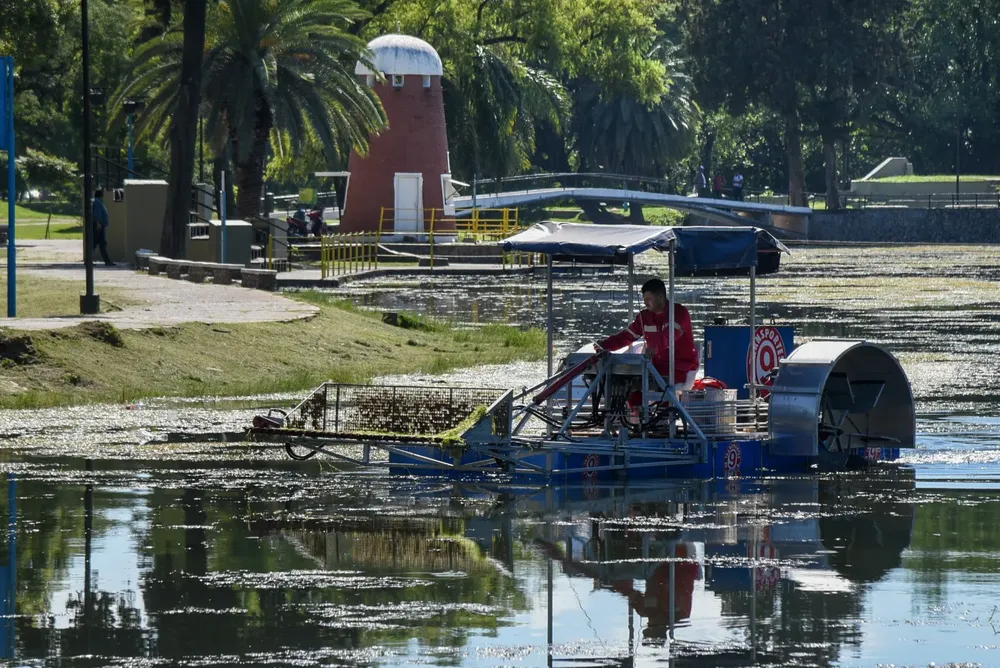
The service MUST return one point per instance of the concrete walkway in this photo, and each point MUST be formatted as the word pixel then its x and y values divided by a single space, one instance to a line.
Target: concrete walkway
pixel 157 301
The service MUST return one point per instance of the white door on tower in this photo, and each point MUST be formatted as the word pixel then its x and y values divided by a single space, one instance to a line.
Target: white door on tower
pixel 409 205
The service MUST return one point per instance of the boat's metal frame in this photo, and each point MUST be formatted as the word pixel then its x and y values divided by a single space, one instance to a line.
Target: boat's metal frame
pixel 572 423
pixel 507 438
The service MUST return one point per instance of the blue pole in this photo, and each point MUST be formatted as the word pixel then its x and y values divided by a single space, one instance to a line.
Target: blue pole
pixel 131 155
pixel 11 195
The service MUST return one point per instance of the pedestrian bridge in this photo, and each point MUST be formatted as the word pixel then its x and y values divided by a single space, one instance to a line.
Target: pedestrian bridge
pixel 541 188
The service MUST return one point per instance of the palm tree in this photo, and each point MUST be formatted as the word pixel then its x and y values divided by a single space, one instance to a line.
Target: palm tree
pixel 624 134
pixel 274 70
pixel 494 102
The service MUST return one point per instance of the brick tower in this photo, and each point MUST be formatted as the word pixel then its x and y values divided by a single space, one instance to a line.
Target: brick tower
pixel 407 169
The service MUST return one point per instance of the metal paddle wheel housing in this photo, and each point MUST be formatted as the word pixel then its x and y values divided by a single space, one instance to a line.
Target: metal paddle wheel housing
pixel 840 395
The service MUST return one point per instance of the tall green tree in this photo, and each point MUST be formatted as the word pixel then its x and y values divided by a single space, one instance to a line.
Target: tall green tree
pixel 808 66
pixel 950 109
pixel 183 132
pixel 619 132
pixel 274 71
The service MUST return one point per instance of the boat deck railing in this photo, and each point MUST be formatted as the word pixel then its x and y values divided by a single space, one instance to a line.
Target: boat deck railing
pixel 738 417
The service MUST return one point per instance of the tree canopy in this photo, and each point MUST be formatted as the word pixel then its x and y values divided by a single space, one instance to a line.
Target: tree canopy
pixel 799 101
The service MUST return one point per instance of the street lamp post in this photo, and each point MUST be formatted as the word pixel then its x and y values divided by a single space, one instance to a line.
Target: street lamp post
pixel 90 302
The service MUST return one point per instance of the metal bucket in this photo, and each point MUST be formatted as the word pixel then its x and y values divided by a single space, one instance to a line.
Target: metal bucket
pixel 713 409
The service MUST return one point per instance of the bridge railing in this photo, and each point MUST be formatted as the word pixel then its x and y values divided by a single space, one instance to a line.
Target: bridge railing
pixel 814 200
pixel 567 180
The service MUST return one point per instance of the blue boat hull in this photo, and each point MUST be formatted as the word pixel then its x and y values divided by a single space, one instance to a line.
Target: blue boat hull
pixel 730 460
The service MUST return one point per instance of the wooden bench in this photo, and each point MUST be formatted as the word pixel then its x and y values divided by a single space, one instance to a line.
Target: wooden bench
pixel 225 274
pixel 261 279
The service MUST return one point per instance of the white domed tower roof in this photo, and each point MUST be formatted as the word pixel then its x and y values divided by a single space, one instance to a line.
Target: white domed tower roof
pixel 402 54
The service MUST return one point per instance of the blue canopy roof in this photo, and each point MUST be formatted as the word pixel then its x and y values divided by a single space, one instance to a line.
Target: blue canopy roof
pixel 697 248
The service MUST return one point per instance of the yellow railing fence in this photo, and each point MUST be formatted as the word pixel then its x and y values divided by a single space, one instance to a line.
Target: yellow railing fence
pixel 432 225
pixel 347 253
pixel 480 224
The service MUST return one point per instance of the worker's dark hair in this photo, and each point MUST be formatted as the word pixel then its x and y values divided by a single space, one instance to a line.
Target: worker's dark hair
pixel 99 192
pixel 655 286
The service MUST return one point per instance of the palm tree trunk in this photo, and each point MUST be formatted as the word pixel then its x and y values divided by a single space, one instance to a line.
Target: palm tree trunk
pixel 184 134
pixel 250 168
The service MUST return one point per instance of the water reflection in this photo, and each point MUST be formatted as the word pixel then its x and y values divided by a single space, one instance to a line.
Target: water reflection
pixel 139 551
pixel 789 572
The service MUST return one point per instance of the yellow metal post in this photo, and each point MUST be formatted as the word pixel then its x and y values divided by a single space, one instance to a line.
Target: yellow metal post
pixel 322 258
pixel 433 211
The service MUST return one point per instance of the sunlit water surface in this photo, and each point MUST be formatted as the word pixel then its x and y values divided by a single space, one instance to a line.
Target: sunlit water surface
pixel 152 535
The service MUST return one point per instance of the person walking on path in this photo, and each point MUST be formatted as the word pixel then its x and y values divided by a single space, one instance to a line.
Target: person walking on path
pixel 99 214
pixel 738 186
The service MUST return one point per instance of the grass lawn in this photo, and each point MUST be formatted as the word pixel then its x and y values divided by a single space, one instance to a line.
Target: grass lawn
pixel 27 231
pixel 655 215
pixel 31 224
pixel 95 362
pixel 935 178
pixel 31 215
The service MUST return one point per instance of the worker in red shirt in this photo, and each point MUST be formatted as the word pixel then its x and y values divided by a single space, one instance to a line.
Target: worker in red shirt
pixel 652 324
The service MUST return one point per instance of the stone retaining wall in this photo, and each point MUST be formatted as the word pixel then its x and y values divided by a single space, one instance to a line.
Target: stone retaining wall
pixel 942 226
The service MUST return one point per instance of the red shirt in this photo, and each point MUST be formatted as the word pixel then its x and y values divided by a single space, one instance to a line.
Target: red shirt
pixel 653 327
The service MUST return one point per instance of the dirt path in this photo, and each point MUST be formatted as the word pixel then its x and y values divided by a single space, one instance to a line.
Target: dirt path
pixel 157 301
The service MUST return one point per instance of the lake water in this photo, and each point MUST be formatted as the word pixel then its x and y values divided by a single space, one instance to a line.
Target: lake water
pixel 155 536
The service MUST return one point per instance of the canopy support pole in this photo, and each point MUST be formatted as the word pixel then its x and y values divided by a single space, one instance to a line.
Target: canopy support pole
pixel 670 309
pixel 549 334
pixel 548 311
pixel 753 332
pixel 631 287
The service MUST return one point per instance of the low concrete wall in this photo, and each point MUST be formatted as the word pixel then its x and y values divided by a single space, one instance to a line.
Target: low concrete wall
pixel 919 189
pixel 890 167
pixel 942 226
